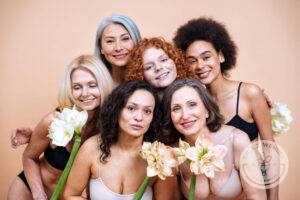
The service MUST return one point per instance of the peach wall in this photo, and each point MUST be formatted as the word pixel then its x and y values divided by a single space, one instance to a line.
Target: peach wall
pixel 39 38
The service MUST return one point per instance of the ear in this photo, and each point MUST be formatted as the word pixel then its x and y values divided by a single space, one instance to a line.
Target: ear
pixel 101 51
pixel 221 56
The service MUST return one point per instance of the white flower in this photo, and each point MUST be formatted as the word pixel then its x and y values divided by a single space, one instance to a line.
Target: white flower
pixel 62 128
pixel 60 132
pixel 281 118
pixel 159 158
pixel 180 151
pixel 206 158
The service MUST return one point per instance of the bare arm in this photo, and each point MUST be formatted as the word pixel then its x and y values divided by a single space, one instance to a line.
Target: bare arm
pixel 240 142
pixel 37 145
pixel 167 189
pixel 81 170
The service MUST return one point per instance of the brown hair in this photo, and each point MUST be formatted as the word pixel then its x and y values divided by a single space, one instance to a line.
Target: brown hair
pixel 134 68
pixel 169 134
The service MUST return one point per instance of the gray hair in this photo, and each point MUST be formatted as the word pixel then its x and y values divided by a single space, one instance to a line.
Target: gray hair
pixel 125 21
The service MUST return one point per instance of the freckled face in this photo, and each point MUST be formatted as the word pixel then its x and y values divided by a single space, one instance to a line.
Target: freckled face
pixel 136 117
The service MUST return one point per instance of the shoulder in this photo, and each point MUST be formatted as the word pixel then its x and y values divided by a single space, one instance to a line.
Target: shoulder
pixel 240 139
pixel 91 145
pixel 251 91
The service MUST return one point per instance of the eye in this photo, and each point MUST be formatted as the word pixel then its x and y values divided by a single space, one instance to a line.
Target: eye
pixel 148 66
pixel 192 104
pixel 148 111
pixel 76 87
pixel 126 38
pixel 191 60
pixel 175 108
pixel 93 85
pixel 109 41
pixel 164 59
pixel 130 108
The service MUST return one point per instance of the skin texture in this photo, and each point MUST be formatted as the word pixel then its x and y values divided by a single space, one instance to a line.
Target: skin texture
pixel 134 121
pixel 188 115
pixel 41 176
pixel 159 69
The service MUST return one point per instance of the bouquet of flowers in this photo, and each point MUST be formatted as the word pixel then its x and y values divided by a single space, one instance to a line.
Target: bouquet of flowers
pixel 205 158
pixel 67 125
pixel 160 162
pixel 281 118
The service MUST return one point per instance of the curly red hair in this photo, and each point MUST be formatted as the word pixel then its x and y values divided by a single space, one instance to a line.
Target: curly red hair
pixel 134 68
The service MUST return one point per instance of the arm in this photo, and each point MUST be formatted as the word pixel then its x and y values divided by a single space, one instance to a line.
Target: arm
pixel 81 169
pixel 240 142
pixel 37 145
pixel 167 189
pixel 20 136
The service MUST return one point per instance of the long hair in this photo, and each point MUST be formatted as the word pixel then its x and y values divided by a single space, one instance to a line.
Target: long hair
pixel 108 124
pixel 169 133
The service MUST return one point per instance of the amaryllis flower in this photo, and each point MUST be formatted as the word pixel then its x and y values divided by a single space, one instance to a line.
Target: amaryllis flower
pixel 180 151
pixel 159 158
pixel 281 118
pixel 206 158
pixel 74 117
pixel 60 132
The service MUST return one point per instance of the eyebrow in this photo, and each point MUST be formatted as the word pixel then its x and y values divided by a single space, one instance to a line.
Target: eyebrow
pixel 135 104
pixel 205 52
pixel 111 37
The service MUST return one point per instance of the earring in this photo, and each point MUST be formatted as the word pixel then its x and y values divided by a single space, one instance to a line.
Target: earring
pixel 206 115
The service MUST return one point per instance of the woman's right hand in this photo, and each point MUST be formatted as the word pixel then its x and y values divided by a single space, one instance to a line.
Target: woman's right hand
pixel 20 136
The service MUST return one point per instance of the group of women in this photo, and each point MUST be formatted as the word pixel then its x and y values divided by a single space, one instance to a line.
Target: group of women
pixel 158 95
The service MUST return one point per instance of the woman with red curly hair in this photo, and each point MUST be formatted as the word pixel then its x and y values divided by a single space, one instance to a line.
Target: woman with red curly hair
pixel 157 62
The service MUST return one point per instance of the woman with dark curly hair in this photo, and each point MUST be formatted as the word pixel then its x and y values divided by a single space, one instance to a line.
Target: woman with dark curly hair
pixel 157 62
pixel 190 113
pixel 111 164
pixel 211 53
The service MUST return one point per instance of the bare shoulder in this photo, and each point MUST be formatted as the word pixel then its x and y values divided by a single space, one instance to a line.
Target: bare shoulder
pixel 252 91
pixel 43 125
pixel 91 145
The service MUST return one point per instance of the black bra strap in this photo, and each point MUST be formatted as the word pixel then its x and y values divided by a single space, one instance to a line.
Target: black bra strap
pixel 238 97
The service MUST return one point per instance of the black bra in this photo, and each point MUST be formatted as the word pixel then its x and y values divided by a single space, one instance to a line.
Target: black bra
pixel 57 157
pixel 249 128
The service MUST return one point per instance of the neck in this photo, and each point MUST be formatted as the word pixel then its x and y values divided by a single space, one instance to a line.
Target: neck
pixel 118 73
pixel 218 87
pixel 129 143
pixel 203 133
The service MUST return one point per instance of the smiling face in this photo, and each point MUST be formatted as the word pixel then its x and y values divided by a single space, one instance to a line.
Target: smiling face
pixel 136 117
pixel 159 70
pixel 204 61
pixel 85 89
pixel 116 44
pixel 188 112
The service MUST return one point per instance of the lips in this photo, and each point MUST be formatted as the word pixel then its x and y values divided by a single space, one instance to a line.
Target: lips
pixel 87 101
pixel 188 124
pixel 136 126
pixel 120 56
pixel 162 76
pixel 203 75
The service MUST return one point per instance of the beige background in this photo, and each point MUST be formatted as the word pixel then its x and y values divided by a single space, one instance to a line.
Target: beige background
pixel 39 38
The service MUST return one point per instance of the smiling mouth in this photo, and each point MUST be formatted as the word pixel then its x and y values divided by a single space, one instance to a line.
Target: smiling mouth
pixel 120 56
pixel 203 75
pixel 188 124
pixel 162 76
pixel 87 101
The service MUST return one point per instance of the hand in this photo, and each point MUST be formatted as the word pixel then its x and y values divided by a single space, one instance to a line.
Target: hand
pixel 20 136
pixel 268 99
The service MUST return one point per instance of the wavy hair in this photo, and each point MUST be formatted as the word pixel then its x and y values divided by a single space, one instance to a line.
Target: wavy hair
pixel 108 124
pixel 134 69
pixel 169 134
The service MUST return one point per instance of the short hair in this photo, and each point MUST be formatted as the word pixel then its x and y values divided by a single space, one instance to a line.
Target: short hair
pixel 169 134
pixel 93 65
pixel 108 125
pixel 123 20
pixel 211 31
pixel 134 68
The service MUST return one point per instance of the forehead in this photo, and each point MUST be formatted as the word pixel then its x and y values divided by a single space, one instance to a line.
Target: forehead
pixel 184 94
pixel 198 47
pixel 152 53
pixel 81 74
pixel 142 97
pixel 114 30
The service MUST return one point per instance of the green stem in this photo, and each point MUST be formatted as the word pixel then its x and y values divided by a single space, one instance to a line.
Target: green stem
pixel 139 194
pixel 192 187
pixel 65 173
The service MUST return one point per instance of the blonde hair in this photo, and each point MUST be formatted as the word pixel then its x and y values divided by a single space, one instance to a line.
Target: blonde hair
pixel 93 65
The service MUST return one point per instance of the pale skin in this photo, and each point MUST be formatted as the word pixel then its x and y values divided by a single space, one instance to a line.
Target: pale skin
pixel 188 116
pixel 40 175
pixel 134 120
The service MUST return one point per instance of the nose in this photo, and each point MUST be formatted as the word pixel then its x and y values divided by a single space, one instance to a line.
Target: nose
pixel 158 67
pixel 139 115
pixel 85 91
pixel 185 113
pixel 200 64
pixel 118 45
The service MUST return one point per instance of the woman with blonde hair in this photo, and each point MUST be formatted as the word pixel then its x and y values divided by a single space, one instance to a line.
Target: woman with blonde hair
pixel 86 84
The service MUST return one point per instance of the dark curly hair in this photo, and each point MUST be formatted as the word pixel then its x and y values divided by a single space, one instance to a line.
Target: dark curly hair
pixel 169 134
pixel 134 68
pixel 108 123
pixel 211 31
